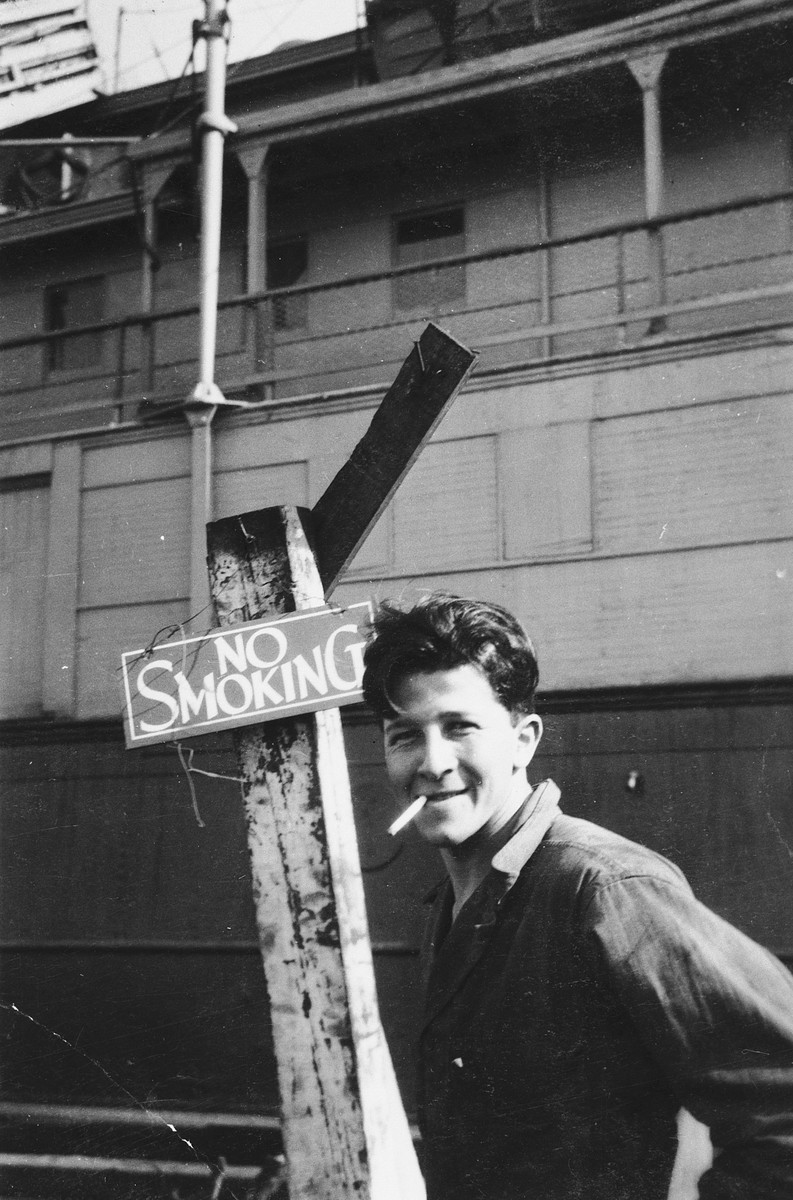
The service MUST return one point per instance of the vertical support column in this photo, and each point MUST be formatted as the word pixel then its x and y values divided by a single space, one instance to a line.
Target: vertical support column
pixel 647 73
pixel 544 230
pixel 147 295
pixel 59 688
pixel 253 159
pixel 148 266
pixel 155 177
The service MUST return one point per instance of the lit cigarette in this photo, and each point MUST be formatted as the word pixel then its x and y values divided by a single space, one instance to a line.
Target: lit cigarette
pixel 407 815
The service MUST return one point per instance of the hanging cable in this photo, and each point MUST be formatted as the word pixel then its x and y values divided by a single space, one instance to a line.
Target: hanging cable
pixel 142 62
pixel 161 124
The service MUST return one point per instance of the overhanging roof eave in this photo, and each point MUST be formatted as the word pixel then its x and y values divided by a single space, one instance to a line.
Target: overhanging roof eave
pixel 28 225
pixel 685 23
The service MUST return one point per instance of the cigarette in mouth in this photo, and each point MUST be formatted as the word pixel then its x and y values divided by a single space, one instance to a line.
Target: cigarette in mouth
pixel 407 815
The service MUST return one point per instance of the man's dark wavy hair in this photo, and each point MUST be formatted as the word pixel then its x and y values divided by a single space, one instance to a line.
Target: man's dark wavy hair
pixel 441 632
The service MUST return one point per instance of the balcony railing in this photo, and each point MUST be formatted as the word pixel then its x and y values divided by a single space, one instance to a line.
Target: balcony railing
pixel 722 269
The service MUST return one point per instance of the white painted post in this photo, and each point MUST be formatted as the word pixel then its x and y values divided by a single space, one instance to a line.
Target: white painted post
pixel 344 1129
pixel 155 177
pixel 647 73
pixel 253 159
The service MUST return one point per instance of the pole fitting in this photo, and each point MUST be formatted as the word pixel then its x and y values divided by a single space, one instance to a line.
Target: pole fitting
pixel 212 27
pixel 207 397
pixel 217 122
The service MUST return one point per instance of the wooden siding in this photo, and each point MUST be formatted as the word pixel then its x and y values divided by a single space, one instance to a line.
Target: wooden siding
pixel 134 543
pixel 680 617
pixel 547 491
pixel 177 339
pixel 637 521
pixel 715 614
pixel 134 566
pixel 250 488
pixel 446 510
pixel 729 237
pixel 734 373
pixel 104 633
pixel 133 461
pixel 704 475
pixel 134 534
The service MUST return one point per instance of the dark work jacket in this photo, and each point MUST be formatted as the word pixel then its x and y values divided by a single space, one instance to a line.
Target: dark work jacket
pixel 581 997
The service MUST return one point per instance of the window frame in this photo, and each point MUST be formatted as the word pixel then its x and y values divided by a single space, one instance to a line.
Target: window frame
pixel 439 303
pixel 286 304
pixel 55 351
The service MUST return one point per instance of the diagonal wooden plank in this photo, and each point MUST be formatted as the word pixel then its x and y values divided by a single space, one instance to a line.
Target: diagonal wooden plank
pixel 425 387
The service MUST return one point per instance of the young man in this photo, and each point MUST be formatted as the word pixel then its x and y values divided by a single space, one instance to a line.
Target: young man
pixel 578 995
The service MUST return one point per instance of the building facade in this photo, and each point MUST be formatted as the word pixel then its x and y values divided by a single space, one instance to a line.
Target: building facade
pixel 599 201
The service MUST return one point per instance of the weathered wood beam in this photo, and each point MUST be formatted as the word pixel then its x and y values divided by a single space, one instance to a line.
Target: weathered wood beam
pixel 422 392
pixel 345 1131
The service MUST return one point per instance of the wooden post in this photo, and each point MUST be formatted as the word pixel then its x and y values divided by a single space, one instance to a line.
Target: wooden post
pixel 344 1128
pixel 155 177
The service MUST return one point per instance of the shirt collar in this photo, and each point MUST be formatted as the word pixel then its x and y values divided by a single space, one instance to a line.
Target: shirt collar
pixel 540 809
pixel 542 806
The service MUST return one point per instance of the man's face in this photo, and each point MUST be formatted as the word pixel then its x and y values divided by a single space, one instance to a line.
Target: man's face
pixel 452 741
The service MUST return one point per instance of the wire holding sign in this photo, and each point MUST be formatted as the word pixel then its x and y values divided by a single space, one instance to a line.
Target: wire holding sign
pixel 245 674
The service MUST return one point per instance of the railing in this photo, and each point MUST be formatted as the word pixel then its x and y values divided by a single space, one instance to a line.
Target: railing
pixel 722 269
pixel 86 1161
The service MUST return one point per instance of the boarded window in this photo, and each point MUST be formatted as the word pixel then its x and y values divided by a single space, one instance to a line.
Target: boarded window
pixel 419 238
pixel 287 265
pixel 446 512
pixel 68 306
pixel 24 515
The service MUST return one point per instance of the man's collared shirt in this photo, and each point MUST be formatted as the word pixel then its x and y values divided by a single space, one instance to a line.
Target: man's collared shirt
pixel 581 997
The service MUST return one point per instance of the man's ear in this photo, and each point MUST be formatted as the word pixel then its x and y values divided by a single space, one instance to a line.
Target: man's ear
pixel 528 728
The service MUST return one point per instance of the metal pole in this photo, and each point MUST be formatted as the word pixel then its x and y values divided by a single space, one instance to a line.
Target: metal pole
pixel 199 417
pixel 214 125
pixel 202 405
